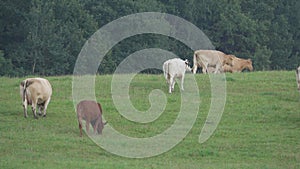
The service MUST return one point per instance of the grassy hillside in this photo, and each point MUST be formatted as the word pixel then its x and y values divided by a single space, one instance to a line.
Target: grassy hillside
pixel 260 126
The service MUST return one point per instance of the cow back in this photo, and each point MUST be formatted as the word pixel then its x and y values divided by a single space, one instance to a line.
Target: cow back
pixel 35 88
pixel 89 110
pixel 211 57
pixel 176 67
pixel 39 88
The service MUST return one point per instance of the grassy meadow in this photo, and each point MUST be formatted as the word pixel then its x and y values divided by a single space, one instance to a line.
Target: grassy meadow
pixel 260 126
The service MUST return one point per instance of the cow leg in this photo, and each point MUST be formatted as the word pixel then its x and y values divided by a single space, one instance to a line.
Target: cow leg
pixel 204 68
pixel 100 126
pixel 170 84
pixel 217 69
pixel 25 110
pixel 34 113
pixel 173 84
pixel 195 68
pixel 96 125
pixel 80 125
pixel 45 107
pixel 87 126
pixel 181 82
pixel 170 88
pixel 34 106
pixel 41 107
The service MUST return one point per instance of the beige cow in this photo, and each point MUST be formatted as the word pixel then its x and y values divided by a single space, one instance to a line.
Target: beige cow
pixel 211 58
pixel 37 93
pixel 238 65
pixel 298 78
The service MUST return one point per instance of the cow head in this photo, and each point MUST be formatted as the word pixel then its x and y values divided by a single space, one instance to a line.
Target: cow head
pixel 101 126
pixel 249 65
pixel 187 66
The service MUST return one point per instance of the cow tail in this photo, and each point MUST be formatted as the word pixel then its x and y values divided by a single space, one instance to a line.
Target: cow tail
pixel 197 60
pixel 79 118
pixel 168 73
pixel 24 90
pixel 100 108
pixel 26 84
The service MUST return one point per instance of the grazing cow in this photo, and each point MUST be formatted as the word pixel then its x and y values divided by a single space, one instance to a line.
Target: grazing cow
pixel 175 68
pixel 298 78
pixel 226 68
pixel 37 93
pixel 91 112
pixel 238 65
pixel 213 58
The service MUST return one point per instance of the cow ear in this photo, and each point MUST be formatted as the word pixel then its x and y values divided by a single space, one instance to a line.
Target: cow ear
pixel 186 62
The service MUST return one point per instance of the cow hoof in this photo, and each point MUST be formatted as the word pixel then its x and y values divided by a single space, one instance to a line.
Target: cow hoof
pixel 44 115
pixel 36 117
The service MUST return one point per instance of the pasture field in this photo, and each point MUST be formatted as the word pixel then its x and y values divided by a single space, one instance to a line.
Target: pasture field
pixel 260 126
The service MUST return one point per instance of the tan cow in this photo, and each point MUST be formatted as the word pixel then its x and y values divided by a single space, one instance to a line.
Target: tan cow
pixel 37 93
pixel 91 112
pixel 210 58
pixel 298 78
pixel 238 65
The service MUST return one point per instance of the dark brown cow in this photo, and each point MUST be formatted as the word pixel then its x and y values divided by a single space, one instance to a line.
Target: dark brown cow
pixel 91 112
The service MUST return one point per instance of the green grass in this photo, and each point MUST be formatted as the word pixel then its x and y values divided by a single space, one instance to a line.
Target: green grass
pixel 260 126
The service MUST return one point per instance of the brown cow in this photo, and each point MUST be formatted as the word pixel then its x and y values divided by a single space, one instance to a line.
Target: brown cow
pixel 91 112
pixel 238 65
pixel 37 93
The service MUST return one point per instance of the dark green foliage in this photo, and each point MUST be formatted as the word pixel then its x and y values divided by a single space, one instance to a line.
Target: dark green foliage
pixel 41 37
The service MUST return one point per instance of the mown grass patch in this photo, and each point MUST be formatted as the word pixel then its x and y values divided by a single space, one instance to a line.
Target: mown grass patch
pixel 260 125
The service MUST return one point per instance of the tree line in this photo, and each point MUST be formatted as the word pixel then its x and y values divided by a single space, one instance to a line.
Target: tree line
pixel 44 37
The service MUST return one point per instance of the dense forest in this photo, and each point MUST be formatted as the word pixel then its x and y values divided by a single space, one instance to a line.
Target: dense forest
pixel 44 37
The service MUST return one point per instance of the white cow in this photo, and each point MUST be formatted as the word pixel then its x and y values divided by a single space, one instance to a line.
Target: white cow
pixel 213 58
pixel 37 93
pixel 298 78
pixel 175 68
